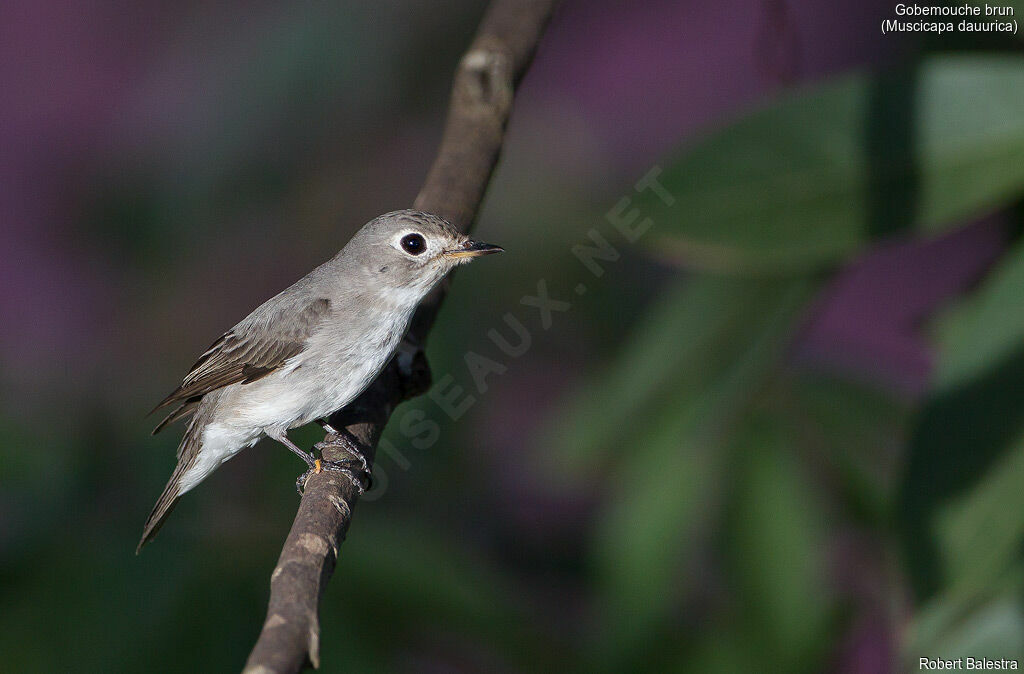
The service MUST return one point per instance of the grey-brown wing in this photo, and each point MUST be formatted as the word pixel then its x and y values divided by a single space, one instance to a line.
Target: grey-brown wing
pixel 245 354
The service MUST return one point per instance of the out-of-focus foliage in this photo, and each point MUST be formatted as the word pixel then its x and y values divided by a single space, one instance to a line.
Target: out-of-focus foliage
pixel 700 431
pixel 668 477
pixel 961 504
pixel 814 177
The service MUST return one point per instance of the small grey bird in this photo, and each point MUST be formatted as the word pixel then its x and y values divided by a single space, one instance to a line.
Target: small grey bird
pixel 309 350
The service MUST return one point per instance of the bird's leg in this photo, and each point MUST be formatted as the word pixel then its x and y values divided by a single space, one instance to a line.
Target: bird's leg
pixel 344 440
pixel 283 438
pixel 315 465
pixel 324 424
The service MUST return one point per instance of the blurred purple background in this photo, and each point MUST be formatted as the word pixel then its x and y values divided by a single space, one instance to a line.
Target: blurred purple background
pixel 104 94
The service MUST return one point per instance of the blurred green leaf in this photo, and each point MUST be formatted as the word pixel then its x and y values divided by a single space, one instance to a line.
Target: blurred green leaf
pixel 665 493
pixel 951 627
pixel 961 506
pixel 723 651
pixel 987 328
pixel 661 416
pixel 707 341
pixel 994 631
pixel 981 531
pixel 813 177
pixel 776 550
pixel 857 430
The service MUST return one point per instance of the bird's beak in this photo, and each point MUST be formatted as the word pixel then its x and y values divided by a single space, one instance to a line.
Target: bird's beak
pixel 473 249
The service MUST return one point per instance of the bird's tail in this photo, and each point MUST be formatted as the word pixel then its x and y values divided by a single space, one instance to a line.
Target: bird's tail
pixel 172 492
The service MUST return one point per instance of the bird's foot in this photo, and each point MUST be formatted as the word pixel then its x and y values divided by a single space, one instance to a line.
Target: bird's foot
pixel 346 442
pixel 361 479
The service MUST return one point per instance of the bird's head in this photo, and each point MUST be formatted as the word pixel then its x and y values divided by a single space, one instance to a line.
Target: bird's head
pixel 413 250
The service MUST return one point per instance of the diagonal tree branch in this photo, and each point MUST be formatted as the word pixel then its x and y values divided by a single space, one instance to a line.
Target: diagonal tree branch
pixel 481 101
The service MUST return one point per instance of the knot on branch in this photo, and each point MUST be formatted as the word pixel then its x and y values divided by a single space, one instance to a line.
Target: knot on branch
pixel 484 79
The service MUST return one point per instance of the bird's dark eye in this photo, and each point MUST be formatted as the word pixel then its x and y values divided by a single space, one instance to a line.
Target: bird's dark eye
pixel 413 244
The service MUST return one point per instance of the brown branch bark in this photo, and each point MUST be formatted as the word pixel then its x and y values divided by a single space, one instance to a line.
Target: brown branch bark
pixel 481 101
